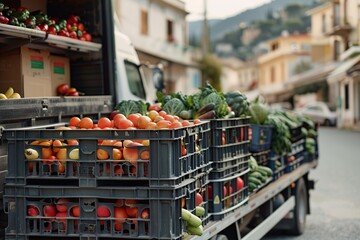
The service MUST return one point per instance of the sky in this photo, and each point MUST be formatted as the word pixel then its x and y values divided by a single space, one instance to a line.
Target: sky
pixel 219 8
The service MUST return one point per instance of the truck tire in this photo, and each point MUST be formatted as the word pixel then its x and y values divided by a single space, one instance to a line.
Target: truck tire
pixel 221 237
pixel 300 210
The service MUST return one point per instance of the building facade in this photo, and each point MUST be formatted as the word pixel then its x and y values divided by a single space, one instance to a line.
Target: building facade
pixel 284 59
pixel 158 30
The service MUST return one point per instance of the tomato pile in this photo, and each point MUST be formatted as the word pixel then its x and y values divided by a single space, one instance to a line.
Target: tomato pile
pixel 71 26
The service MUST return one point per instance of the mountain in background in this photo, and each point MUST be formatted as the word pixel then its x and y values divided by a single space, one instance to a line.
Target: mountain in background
pixel 218 28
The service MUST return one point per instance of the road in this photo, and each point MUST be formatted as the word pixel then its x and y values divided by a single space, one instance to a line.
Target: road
pixel 335 202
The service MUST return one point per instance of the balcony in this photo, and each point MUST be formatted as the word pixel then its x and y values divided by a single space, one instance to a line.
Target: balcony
pixel 281 52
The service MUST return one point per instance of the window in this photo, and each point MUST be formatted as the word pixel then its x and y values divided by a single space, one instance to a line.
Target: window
pixel 315 108
pixel 272 74
pixel 170 29
pixel 144 23
pixel 336 50
pixel 293 47
pixel 323 23
pixel 134 80
pixel 305 47
pixel 347 100
pixel 274 46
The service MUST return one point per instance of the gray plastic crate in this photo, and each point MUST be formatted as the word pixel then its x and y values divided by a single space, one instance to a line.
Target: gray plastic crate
pixel 167 164
pixel 229 138
pixel 278 171
pixel 164 205
pixel 229 167
pixel 225 197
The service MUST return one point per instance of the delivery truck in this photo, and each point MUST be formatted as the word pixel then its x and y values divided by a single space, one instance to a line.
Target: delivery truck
pixel 90 196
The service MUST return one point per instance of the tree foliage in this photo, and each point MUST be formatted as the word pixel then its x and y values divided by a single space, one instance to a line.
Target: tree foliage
pixel 211 71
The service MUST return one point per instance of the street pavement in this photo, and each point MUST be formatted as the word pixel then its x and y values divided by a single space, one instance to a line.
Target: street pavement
pixel 335 202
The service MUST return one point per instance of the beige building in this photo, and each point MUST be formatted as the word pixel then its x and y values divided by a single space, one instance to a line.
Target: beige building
pixel 334 76
pixel 285 55
pixel 248 75
pixel 230 74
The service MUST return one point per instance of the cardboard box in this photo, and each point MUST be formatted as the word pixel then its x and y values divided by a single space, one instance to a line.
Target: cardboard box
pixel 27 71
pixel 59 71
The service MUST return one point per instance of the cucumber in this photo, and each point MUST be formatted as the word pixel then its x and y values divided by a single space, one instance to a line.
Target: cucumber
pixel 195 230
pixel 255 174
pixel 199 211
pixel 256 181
pixel 268 170
pixel 252 186
pixel 192 220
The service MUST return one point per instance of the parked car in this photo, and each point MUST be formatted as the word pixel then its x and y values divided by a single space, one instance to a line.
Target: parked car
pixel 319 112
pixel 280 106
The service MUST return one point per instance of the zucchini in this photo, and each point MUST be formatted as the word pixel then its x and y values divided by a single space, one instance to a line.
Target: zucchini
pixel 195 230
pixel 253 164
pixel 268 171
pixel 192 220
pixel 256 181
pixel 199 211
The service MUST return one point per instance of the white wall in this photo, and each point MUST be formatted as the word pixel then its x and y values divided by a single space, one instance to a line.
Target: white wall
pixel 229 79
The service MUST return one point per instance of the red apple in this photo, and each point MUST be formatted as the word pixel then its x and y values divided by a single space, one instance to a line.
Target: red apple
pixel 61 217
pixel 62 89
pixel 49 211
pixel 32 211
pixel 239 183
pixel 210 191
pixel 62 207
pixel 145 214
pixel 75 211
pixel 131 209
pixel 198 199
pixel 103 211
pixel 230 190
pixel 112 114
pixel 225 191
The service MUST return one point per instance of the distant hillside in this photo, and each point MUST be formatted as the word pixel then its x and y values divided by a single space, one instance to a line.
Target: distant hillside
pixel 195 27
pixel 220 27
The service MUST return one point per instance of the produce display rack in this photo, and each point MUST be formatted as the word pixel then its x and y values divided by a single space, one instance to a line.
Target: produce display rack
pixel 166 164
pixel 33 35
pixel 163 204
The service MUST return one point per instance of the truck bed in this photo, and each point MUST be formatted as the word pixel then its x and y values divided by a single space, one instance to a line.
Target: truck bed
pixel 255 201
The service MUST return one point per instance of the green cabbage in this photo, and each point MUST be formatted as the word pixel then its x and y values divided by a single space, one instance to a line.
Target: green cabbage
pixel 174 106
pixel 128 107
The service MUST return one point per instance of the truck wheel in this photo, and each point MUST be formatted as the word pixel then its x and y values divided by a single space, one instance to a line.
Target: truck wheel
pixel 327 122
pixel 221 237
pixel 300 210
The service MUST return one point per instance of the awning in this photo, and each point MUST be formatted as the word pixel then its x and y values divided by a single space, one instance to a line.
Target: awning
pixel 316 74
pixel 340 72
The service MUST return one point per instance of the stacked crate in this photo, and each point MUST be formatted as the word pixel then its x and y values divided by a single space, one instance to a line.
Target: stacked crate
pixel 83 196
pixel 295 158
pixel 229 152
